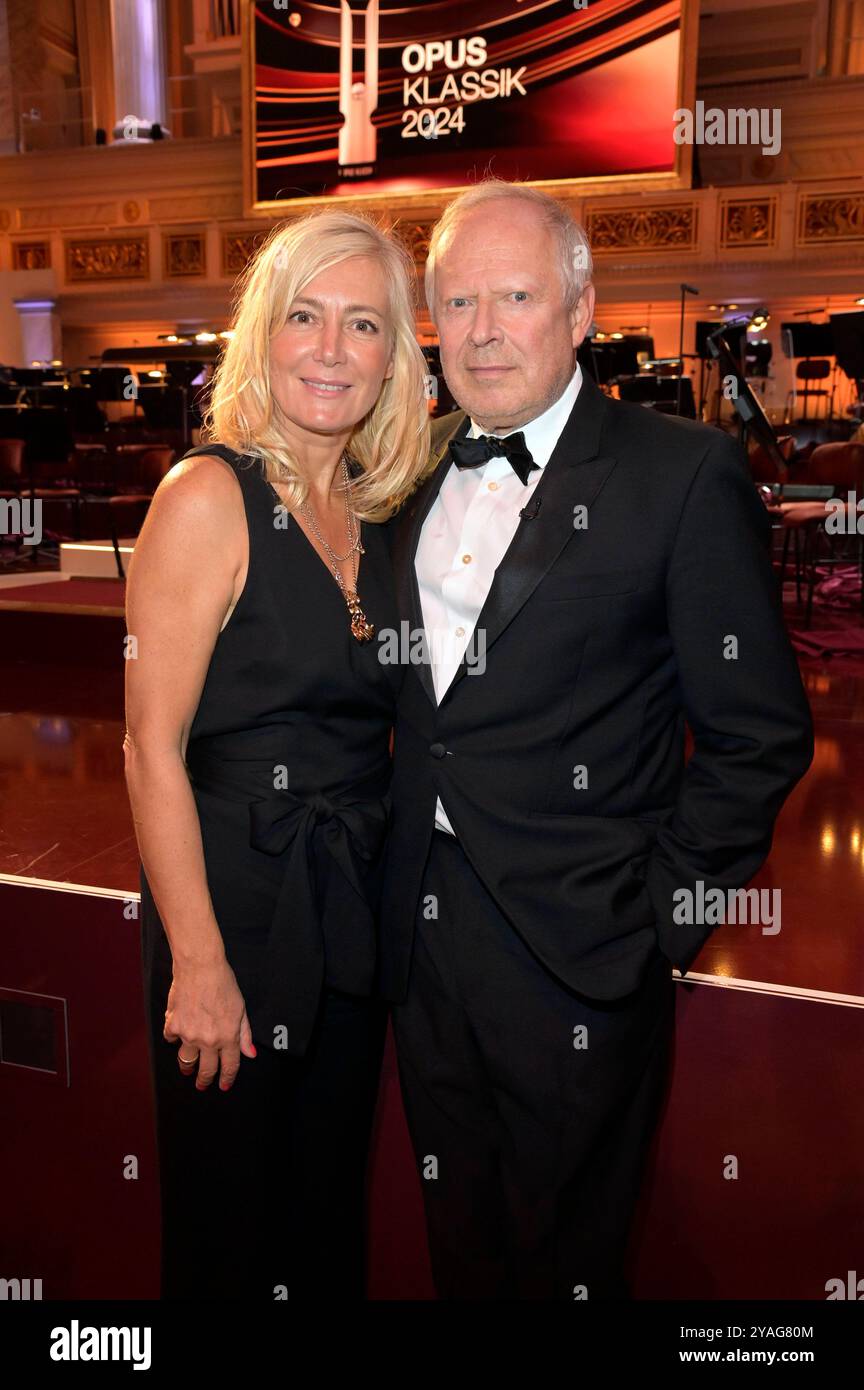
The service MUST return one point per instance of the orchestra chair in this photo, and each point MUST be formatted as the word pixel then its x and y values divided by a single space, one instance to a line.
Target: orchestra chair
pixel 60 505
pixel 12 477
pixel 141 469
pixel 812 369
pixel 763 469
pixel 839 463
pixel 91 466
pixel 840 466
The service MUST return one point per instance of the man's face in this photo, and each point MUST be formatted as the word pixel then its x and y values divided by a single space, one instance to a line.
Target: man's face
pixel 508 340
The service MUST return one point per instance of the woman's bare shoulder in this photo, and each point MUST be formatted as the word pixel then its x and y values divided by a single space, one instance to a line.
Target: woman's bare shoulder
pixel 205 487
pixel 204 475
pixel 194 524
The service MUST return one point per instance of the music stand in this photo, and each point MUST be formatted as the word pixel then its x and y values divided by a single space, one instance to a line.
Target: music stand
pixel 747 405
pixel 848 332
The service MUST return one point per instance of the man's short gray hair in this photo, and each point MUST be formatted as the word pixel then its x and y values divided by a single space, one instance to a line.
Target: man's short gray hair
pixel 575 253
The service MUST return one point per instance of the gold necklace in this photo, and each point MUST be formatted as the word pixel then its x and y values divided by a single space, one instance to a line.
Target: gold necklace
pixel 361 628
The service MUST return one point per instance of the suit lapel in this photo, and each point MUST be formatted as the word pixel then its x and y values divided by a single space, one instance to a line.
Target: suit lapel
pixel 572 478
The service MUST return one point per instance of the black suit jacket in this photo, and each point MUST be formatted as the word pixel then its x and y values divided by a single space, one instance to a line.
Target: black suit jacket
pixel 601 640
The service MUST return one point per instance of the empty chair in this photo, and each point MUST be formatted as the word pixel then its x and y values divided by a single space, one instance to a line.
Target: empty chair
pixel 840 466
pixel 143 468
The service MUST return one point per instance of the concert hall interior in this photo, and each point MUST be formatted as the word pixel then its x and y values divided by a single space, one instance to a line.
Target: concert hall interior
pixel 713 154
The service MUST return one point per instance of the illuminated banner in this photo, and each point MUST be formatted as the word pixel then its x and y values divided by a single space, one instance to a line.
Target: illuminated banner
pixel 374 98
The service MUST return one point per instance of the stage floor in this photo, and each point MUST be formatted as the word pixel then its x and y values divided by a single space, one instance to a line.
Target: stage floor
pixel 62 593
pixel 65 815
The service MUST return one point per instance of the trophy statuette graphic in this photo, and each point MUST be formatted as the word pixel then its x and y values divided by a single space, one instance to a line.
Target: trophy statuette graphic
pixel 357 100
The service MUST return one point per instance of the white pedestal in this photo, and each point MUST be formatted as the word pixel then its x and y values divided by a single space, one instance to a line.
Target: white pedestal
pixel 93 559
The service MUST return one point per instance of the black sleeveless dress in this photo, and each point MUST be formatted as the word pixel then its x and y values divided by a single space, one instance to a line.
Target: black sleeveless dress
pixel 288 757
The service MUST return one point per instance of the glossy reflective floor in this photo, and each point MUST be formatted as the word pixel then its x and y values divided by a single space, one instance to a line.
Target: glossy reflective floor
pixel 64 815
pixel 770 1028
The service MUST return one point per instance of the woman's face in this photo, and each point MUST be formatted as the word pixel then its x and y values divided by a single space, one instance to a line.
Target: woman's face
pixel 328 363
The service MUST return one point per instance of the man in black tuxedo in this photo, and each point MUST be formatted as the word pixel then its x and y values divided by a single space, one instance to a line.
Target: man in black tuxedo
pixel 588 574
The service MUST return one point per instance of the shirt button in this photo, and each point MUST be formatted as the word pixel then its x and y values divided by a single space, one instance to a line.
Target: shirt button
pixel 460 632
pixel 466 559
pixel 493 487
pixel 437 750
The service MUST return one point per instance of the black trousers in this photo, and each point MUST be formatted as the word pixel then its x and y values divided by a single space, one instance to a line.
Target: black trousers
pixel 263 1186
pixel 530 1107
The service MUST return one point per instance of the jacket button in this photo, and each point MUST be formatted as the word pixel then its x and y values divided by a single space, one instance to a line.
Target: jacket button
pixel 437 750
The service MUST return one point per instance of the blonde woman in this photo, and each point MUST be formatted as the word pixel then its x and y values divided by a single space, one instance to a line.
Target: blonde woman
pixel 257 753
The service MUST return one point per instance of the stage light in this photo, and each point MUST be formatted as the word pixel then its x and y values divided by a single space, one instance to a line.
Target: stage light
pixel 205 337
pixel 860 301
pixel 227 334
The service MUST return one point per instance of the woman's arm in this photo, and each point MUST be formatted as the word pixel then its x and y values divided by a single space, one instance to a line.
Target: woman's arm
pixel 187 571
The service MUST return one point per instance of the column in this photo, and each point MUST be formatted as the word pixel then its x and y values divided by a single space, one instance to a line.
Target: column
pixel 8 132
pixel 140 89
pixel 40 330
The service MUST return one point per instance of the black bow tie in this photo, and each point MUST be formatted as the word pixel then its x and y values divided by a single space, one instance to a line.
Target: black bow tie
pixel 471 453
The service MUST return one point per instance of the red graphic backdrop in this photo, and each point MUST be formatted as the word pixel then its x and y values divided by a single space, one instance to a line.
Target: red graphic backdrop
pixel 572 93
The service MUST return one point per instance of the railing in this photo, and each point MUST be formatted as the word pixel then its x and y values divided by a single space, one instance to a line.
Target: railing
pixel 197 109
pixel 53 120
pixel 216 19
pixel 225 19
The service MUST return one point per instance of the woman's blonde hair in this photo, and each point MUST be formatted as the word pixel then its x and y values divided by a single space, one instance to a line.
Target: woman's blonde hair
pixel 391 443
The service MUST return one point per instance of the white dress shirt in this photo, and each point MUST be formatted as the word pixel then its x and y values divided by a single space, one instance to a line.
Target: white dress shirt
pixel 465 536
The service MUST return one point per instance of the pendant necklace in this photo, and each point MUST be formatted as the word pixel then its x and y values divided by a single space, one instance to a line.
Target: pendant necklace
pixel 361 628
